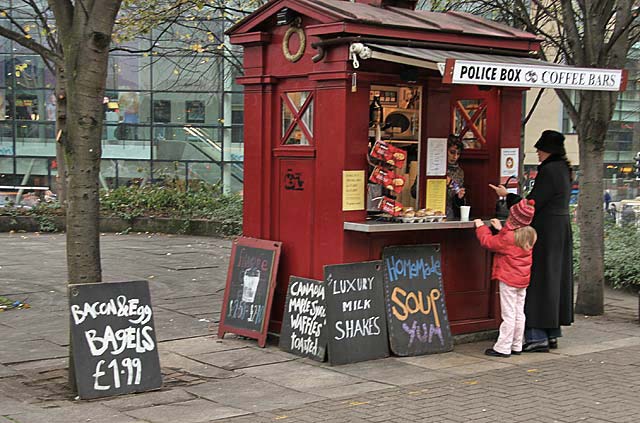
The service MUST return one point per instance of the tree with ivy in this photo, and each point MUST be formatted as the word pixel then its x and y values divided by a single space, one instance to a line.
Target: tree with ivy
pixel 585 34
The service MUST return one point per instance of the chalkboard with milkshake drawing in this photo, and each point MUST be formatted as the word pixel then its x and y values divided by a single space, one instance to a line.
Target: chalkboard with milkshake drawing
pixel 251 280
pixel 416 313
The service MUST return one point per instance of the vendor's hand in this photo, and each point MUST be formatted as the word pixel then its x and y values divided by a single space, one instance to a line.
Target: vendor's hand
pixel 478 222
pixel 461 193
pixel 496 224
pixel 500 190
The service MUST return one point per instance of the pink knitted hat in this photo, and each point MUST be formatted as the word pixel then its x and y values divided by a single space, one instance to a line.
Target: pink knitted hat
pixel 521 214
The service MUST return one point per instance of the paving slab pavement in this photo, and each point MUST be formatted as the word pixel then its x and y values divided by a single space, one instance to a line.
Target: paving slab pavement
pixel 594 375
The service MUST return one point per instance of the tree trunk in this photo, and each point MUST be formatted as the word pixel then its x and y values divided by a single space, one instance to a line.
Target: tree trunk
pixel 590 299
pixel 85 67
pixel 85 91
pixel 61 131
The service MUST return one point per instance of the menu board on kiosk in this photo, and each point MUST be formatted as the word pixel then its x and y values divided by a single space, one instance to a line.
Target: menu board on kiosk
pixel 304 322
pixel 355 312
pixel 416 312
pixel 249 291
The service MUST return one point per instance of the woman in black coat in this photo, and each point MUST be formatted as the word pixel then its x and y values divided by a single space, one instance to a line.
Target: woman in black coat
pixel 549 301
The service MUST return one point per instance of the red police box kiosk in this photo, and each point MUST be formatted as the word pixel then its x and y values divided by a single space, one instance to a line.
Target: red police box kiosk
pixel 317 72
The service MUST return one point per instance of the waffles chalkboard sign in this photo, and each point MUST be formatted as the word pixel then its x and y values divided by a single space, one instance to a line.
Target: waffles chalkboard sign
pixel 305 319
pixel 113 339
pixel 416 312
pixel 248 294
pixel 356 312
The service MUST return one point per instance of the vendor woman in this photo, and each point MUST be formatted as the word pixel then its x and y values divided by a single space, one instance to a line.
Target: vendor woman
pixel 455 177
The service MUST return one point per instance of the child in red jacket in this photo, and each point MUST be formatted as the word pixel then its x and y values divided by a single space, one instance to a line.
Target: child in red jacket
pixel 513 248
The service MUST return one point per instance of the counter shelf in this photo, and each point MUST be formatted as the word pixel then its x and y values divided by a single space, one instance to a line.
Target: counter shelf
pixel 377 226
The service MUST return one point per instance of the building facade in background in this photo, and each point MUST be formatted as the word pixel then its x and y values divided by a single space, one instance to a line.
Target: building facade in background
pixel 166 116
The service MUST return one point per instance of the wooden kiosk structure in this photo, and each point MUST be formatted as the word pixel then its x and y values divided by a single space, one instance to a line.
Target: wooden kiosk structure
pixel 312 69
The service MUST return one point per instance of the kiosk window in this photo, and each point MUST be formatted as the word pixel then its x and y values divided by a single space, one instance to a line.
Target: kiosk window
pixel 470 122
pixel 297 118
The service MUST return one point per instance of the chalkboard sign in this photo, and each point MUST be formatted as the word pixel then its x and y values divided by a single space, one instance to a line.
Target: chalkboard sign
pixel 251 280
pixel 113 339
pixel 356 312
pixel 416 313
pixel 304 322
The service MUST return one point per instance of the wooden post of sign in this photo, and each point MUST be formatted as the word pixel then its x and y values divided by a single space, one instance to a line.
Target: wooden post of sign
pixel 251 281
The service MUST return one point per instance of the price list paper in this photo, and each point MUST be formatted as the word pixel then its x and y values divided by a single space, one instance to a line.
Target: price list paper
pixel 436 157
pixel 353 190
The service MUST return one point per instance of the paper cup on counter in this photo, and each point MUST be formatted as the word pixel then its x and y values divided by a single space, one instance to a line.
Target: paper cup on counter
pixel 464 213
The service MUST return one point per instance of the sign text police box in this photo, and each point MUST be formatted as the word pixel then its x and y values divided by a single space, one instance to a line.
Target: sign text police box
pixel 416 312
pixel 113 339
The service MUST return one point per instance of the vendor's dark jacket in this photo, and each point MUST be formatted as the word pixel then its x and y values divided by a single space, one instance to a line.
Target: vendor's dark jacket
pixel 549 301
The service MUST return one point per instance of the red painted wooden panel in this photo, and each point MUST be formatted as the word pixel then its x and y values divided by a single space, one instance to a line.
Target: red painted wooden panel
pixel 294 189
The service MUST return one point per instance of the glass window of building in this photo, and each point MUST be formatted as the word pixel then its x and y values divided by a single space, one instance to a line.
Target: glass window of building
pixel 178 115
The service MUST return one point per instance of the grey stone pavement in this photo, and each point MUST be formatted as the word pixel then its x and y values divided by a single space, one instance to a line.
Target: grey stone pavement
pixel 594 376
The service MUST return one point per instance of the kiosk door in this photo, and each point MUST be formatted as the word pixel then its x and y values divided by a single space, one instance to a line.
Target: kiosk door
pixel 294 192
pixel 475 119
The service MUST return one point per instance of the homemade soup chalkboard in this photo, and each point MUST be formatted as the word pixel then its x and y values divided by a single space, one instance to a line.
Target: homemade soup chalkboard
pixel 355 312
pixel 113 339
pixel 249 290
pixel 305 319
pixel 416 311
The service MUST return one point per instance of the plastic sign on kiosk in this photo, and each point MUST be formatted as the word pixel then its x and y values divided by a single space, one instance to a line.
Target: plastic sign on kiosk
pixel 532 76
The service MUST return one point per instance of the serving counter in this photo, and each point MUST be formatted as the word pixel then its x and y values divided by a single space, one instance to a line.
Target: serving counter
pixel 377 226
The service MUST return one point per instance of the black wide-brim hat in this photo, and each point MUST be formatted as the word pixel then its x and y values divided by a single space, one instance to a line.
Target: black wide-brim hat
pixel 551 142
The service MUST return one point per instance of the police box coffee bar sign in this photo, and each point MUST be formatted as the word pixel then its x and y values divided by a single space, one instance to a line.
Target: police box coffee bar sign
pixel 536 76
pixel 113 339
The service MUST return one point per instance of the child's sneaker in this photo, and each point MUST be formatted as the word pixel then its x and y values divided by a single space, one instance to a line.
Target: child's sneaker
pixel 493 353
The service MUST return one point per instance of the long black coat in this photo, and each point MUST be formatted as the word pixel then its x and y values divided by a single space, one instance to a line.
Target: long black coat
pixel 549 301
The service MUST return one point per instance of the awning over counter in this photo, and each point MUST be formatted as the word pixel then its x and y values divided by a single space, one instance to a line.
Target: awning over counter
pixel 459 67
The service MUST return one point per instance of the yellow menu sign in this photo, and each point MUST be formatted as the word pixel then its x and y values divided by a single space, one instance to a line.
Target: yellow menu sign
pixel 352 190
pixel 437 194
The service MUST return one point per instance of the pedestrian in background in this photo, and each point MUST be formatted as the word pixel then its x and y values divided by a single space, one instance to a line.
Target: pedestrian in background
pixel 607 200
pixel 549 301
pixel 513 247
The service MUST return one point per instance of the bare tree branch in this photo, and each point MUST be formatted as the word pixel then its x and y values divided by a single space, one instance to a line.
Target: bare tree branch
pixel 47 54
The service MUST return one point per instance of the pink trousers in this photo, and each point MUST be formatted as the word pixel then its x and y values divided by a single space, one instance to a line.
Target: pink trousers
pixel 512 327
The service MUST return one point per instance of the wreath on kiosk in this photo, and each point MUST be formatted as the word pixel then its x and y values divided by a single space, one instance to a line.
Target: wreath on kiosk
pixel 295 28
